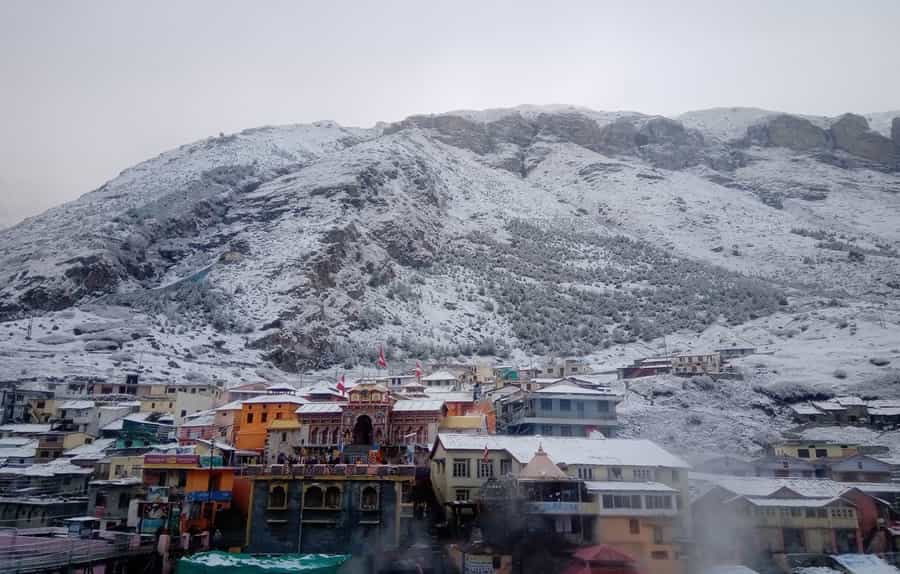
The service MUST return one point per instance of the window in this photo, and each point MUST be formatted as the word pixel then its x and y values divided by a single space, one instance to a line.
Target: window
pixel 565 430
pixel 659 555
pixel 802 453
pixel 810 512
pixel 658 535
pixel 505 467
pixel 249 418
pixel 622 501
pixel 264 417
pixel 634 526
pixel 193 391
pixel 333 497
pixel 123 500
pixel 485 469
pixel 565 405
pixel 278 415
pixel 645 474
pixel 585 473
pixel 461 467
pixel 547 430
pixel 313 497
pixel 183 413
pixel 546 404
pixel 369 500
pixel 602 406
pixel 821 513
pixel 277 496
pixel 659 501
pixel 795 512
pixel 821 453
pixel 462 494
pixel 170 390
pixel 615 473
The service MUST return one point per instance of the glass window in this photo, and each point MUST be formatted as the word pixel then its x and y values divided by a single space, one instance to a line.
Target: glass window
pixel 461 467
pixel 505 467
pixel 313 497
pixel 803 453
pixel 369 498
pixel 249 418
pixel 615 473
pixel 565 430
pixel 821 453
pixel 333 497
pixel 264 417
pixel 547 404
pixel 565 405
pixel 643 474
pixel 277 496
pixel 485 469
pixel 547 430
pixel 659 555
pixel 657 535
pixel 634 526
pixel 462 494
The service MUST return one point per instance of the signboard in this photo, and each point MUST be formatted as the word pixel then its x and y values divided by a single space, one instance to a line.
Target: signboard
pixel 154 516
pixel 183 459
pixel 204 496
pixel 157 494
pixel 478 564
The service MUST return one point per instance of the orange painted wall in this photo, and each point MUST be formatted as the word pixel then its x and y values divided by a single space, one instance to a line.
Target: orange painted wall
pixel 198 479
pixel 252 435
pixel 616 531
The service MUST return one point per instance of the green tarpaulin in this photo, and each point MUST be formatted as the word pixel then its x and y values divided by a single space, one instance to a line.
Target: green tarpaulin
pixel 225 563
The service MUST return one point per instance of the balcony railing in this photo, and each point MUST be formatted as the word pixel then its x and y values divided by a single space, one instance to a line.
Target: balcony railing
pixel 302 470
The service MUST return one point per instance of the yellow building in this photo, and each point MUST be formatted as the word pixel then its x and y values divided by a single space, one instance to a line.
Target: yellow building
pixel 120 466
pixel 252 425
pixel 639 503
pixel 42 409
pixel 798 449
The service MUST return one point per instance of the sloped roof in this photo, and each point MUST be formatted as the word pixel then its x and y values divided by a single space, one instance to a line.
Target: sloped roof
pixel 274 399
pixel 407 405
pixel 440 376
pixel 94 448
pixel 757 486
pixel 864 564
pixel 602 553
pixel 568 388
pixel 77 405
pixel 281 387
pixel 569 450
pixel 540 466
pixel 232 406
pixel 319 408
pixel 792 502
pixel 463 422
pixel 805 409
pixel 25 428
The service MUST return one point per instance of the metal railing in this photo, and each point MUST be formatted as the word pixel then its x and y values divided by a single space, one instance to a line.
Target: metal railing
pixel 301 470
pixel 27 551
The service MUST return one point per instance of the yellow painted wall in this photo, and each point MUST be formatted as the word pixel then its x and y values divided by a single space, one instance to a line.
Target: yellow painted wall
pixel 130 466
pixel 161 405
pixel 833 450
pixel 73 439
pixel 616 531
pixel 198 480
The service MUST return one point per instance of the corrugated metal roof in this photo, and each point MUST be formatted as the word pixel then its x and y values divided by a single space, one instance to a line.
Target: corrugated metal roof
pixel 440 376
pixel 569 450
pixel 77 405
pixel 565 388
pixel 269 399
pixel 792 502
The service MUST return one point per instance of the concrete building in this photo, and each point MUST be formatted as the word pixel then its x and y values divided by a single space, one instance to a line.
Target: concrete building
pixel 566 408
pixel 359 510
pixel 688 364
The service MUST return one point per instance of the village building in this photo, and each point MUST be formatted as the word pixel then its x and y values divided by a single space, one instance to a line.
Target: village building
pixel 363 510
pixel 689 364
pixel 567 407
pixel 109 500
pixel 441 380
pixel 735 351
pixel 812 449
pixel 251 426
pixel 227 417
pixel 646 367
pixel 628 493
pixel 200 425
pixel 18 451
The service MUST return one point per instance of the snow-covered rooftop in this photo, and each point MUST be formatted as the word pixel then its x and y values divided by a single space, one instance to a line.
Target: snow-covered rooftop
pixel 407 405
pixel 77 405
pixel 94 448
pixel 270 399
pixel 232 406
pixel 569 450
pixel 440 376
pixel 319 408
pixel 25 428
pixel 566 388
pixel 622 486
pixel 805 409
pixel 791 502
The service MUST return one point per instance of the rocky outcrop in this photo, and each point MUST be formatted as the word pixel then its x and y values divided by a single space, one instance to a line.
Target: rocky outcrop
pixel 851 133
pixel 788 131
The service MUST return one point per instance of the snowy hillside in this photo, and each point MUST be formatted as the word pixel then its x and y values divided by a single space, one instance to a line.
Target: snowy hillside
pixel 536 230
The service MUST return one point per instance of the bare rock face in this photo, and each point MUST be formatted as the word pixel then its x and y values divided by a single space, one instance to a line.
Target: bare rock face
pixel 788 131
pixel 851 133
pixel 895 131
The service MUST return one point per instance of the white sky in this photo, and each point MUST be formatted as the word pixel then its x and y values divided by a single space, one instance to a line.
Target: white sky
pixel 89 88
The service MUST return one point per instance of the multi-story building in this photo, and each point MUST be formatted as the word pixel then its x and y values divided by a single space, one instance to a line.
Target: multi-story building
pixel 566 408
pixel 109 499
pixel 812 449
pixel 632 489
pixel 251 426
pixel 364 510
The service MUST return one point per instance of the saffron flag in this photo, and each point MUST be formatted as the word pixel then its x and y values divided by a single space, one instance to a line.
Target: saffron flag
pixel 382 362
pixel 418 370
pixel 341 387
pixel 484 457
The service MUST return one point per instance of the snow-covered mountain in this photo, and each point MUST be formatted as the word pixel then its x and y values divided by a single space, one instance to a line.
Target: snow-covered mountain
pixel 538 230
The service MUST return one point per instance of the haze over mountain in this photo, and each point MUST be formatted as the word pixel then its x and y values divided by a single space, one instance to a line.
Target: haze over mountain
pixel 532 231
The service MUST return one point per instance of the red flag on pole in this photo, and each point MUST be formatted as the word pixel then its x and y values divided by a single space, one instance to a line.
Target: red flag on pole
pixel 484 457
pixel 418 370
pixel 381 360
pixel 341 387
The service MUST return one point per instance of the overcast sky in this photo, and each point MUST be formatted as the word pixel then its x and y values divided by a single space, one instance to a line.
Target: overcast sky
pixel 89 88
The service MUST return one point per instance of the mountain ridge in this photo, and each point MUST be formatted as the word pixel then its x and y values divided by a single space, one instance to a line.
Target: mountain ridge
pixel 334 237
